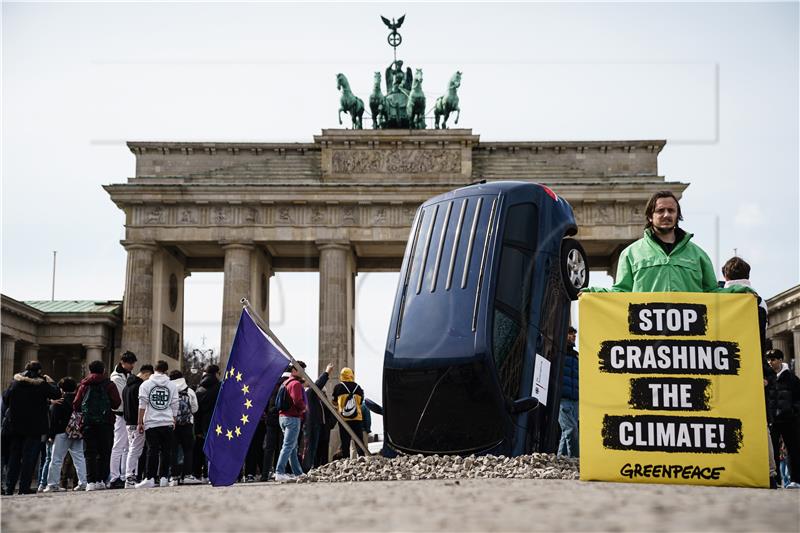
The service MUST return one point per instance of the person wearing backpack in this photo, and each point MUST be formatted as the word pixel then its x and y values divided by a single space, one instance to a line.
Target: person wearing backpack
pixel 130 403
pixel 67 437
pixel 272 431
pixel 119 450
pixel 96 400
pixel 183 434
pixel 348 396
pixel 158 409
pixel 291 405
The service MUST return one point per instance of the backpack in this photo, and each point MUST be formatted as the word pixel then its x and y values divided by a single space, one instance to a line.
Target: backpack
pixel 184 408
pixel 283 401
pixel 96 405
pixel 73 429
pixel 350 409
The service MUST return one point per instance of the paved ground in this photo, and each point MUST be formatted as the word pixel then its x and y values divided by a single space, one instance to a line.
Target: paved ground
pixel 469 505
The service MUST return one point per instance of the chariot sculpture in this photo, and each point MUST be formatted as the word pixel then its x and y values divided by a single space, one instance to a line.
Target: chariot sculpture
pixel 403 105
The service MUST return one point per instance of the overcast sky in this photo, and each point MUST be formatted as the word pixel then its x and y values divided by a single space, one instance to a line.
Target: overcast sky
pixel 719 82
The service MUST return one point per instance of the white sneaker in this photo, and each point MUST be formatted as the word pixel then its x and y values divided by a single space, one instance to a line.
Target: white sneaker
pixel 130 482
pixel 164 482
pixel 52 488
pixel 191 480
pixel 91 486
pixel 80 487
pixel 100 485
pixel 173 482
pixel 284 477
pixel 146 484
pixel 793 485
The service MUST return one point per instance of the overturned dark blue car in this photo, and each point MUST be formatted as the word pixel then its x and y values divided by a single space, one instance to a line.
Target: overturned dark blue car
pixel 482 303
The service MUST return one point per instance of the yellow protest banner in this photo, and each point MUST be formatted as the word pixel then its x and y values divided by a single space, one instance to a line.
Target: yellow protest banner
pixel 671 389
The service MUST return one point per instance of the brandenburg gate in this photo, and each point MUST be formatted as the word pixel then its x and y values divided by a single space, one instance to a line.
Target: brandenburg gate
pixel 340 205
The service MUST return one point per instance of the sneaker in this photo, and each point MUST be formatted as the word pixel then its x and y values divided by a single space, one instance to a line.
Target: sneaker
pixel 130 482
pixel 146 484
pixel 41 488
pixel 204 479
pixel 284 477
pixel 91 486
pixel 117 484
pixel 100 485
pixel 174 482
pixel 52 488
pixel 793 485
pixel 250 478
pixel 80 487
pixel 191 480
pixel 163 482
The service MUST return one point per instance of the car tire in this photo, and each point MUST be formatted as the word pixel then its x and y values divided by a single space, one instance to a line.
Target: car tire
pixel 574 267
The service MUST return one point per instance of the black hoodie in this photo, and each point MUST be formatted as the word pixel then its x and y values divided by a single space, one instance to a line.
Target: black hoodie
pixel 207 393
pixel 130 400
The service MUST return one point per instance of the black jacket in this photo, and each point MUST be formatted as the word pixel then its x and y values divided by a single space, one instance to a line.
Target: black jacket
pixel 271 417
pixel 130 400
pixel 783 398
pixel 317 413
pixel 207 392
pixel 28 408
pixel 59 415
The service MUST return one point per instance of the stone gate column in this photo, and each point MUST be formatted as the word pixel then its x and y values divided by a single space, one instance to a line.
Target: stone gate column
pixel 796 336
pixel 31 352
pixel 9 345
pixel 336 305
pixel 94 352
pixel 137 313
pixel 237 284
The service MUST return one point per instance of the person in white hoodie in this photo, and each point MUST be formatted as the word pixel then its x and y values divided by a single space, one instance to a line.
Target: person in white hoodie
pixel 119 450
pixel 183 434
pixel 158 409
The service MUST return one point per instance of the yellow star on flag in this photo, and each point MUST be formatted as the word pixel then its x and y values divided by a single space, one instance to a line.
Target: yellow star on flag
pixel 238 431
pixel 238 376
pixel 229 434
pixel 248 403
pixel 230 372
pixel 219 430
pixel 246 389
pixel 245 420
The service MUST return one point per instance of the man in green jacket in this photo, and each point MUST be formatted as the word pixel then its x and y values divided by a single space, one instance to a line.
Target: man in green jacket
pixel 665 260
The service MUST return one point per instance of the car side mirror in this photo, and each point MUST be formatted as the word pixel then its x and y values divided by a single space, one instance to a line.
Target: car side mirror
pixel 523 405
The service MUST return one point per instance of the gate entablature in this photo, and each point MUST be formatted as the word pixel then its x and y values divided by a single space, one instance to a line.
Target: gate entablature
pixel 340 205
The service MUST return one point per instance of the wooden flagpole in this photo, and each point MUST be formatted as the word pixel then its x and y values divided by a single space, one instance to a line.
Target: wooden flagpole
pixel 266 329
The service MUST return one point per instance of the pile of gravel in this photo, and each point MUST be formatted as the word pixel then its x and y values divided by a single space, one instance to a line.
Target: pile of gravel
pixel 413 467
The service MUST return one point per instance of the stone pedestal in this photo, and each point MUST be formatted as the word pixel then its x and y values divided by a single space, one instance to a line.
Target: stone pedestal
pixel 9 345
pixel 237 284
pixel 137 318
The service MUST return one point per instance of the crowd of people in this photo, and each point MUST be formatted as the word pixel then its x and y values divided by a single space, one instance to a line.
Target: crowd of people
pixel 147 429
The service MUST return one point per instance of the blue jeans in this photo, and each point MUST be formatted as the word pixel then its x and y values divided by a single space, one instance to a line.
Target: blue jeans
pixel 44 468
pixel 568 420
pixel 62 445
pixel 290 426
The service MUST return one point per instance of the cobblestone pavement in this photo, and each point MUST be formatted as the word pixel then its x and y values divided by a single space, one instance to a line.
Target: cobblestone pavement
pixel 422 505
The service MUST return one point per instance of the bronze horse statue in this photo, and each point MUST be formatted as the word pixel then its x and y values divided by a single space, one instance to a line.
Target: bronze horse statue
pixel 349 103
pixel 448 103
pixel 415 109
pixel 377 104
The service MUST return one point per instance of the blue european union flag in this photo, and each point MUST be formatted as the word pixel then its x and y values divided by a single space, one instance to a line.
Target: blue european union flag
pixel 254 366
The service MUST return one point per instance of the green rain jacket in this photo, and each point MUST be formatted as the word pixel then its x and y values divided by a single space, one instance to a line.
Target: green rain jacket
pixel 645 267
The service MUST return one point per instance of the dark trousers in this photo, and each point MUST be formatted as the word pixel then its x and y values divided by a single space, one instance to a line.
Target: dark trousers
pixel 23 451
pixel 159 451
pixel 358 428
pixel 98 440
pixel 323 454
pixel 182 438
pixel 790 431
pixel 272 442
pixel 200 466
pixel 312 432
pixel 255 453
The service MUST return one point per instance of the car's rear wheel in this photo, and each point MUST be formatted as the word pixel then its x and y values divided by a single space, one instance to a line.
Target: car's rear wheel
pixel 574 267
